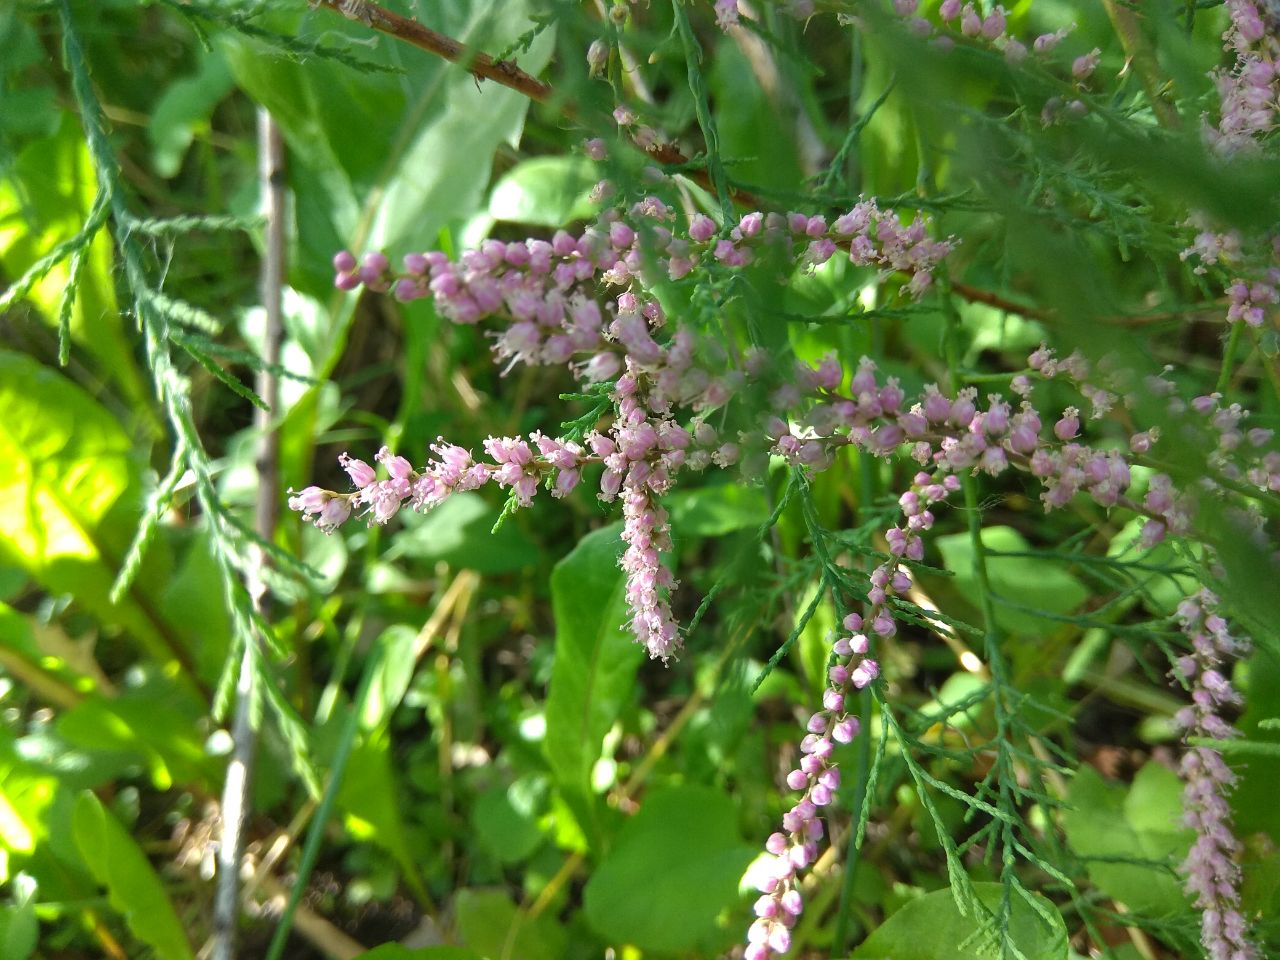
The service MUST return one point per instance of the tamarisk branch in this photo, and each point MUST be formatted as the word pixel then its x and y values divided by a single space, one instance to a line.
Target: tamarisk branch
pixel 480 65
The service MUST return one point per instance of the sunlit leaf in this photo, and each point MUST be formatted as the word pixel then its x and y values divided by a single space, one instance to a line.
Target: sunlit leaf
pixel 673 869
pixel 932 928
pixel 133 888
pixel 44 201
pixel 595 663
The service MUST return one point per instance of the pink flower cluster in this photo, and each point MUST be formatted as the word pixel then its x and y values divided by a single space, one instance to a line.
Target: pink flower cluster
pixel 1250 88
pixel 1249 91
pixel 1250 297
pixel 514 467
pixel 817 777
pixel 990 28
pixel 545 296
pixel 1210 870
pixel 548 288
pixel 585 302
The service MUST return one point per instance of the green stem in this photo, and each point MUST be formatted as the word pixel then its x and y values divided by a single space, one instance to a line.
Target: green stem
pixel 840 937
pixel 698 85
pixel 315 832
pixel 1269 365
pixel 1229 357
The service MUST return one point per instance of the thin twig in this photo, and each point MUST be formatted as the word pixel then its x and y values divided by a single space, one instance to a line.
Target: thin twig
pixel 1138 51
pixel 319 931
pixel 235 796
pixel 479 65
pixel 507 74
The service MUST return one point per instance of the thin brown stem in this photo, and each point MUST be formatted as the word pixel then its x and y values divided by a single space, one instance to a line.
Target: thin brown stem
pixel 506 73
pixel 479 65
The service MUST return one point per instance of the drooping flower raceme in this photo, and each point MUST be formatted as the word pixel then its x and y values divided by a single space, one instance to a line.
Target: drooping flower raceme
pixel 669 396
pixel 545 297
pixel 816 778
pixel 1211 873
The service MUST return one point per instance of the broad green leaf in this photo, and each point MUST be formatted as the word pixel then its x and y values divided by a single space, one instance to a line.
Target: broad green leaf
pixel 19 931
pixel 26 109
pixel 713 511
pixel 153 723
pixel 393 951
pixel 595 664
pixel 68 462
pixel 26 796
pixel 381 160
pixel 1110 822
pixel 1031 581
pixel 184 109
pixel 134 890
pixel 1254 799
pixel 394 650
pixel 490 924
pixel 370 799
pixel 386 160
pixel 545 191
pixel 932 928
pixel 192 598
pixel 506 818
pixel 673 870
pixel 749 120
pixel 45 201
pixel 460 532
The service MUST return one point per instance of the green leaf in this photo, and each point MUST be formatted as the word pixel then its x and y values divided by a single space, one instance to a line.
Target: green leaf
pixel 490 924
pixel 716 510
pixel 185 108
pixel 19 928
pixel 545 191
pixel 595 665
pixel 153 723
pixel 1110 821
pixel 932 928
pixel 460 533
pixel 393 951
pixel 1254 798
pixel 19 931
pixel 45 201
pixel 1031 581
pixel 385 160
pixel 673 870
pixel 506 819
pixel 379 161
pixel 394 673
pixel 134 890
pixel 68 461
pixel 370 799
pixel 749 120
